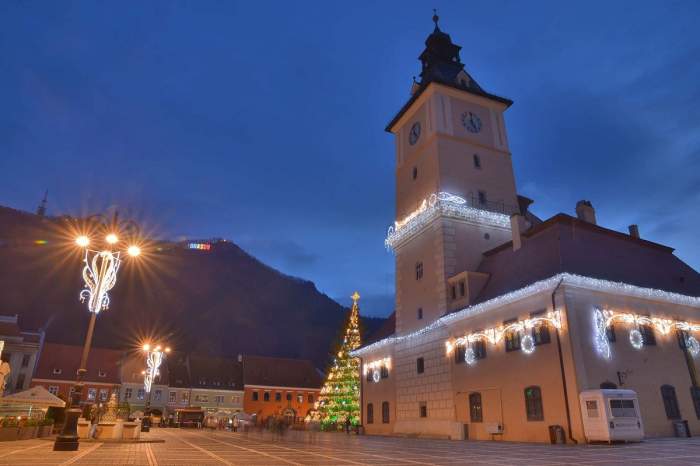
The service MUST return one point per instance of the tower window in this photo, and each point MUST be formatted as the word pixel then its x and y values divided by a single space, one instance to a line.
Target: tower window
pixel 462 289
pixel 668 395
pixel 414 174
pixel 533 404
pixel 453 292
pixel 475 409
pixel 420 365
pixel 423 409
pixel 477 161
pixel 482 197
pixel 420 313
pixel 419 270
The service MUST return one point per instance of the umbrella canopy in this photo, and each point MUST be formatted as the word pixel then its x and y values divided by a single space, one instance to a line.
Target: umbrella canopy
pixel 35 396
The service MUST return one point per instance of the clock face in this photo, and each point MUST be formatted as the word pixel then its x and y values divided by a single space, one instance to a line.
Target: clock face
pixel 471 122
pixel 414 134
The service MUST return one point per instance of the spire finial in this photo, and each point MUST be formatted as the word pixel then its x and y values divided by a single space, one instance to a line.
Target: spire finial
pixel 41 210
pixel 436 18
pixel 355 298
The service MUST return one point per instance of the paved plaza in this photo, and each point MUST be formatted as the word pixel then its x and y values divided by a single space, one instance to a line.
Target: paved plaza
pixel 189 447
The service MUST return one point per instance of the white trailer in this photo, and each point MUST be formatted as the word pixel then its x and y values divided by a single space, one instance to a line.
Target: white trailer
pixel 611 415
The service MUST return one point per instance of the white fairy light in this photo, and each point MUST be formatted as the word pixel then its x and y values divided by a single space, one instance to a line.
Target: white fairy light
pixel 693 346
pixel 154 358
pixel 578 281
pixel 600 334
pixel 376 376
pixel 376 365
pixel 436 205
pixel 527 344
pixel 636 338
pixel 470 356
pixel 100 276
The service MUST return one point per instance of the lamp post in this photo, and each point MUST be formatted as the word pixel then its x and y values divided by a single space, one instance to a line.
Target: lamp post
pixel 100 275
pixel 154 358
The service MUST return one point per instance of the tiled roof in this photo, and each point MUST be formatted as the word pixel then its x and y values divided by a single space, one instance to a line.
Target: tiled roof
pixel 567 244
pixel 215 373
pixel 280 372
pixel 134 364
pixel 66 359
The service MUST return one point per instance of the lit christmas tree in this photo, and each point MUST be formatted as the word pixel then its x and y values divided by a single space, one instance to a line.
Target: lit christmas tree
pixel 340 395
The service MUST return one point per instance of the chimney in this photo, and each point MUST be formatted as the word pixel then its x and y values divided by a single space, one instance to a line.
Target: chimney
pixel 634 231
pixel 517 226
pixel 585 211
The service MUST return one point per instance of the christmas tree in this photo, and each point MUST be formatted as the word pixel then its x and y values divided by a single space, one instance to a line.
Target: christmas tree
pixel 340 395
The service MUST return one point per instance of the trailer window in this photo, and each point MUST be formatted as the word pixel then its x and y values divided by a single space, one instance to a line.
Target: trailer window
pixel 622 408
pixel 592 408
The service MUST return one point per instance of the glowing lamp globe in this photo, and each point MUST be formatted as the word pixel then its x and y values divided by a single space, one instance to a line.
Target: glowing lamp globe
pixel 146 347
pixel 82 241
pixel 112 238
pixel 134 251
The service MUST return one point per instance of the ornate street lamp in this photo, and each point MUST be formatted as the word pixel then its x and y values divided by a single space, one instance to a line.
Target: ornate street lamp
pixel 154 358
pixel 100 275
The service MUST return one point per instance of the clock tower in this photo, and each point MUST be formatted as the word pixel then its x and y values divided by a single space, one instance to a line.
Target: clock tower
pixel 455 188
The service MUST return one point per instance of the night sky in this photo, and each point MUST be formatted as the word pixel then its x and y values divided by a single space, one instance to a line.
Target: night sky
pixel 263 122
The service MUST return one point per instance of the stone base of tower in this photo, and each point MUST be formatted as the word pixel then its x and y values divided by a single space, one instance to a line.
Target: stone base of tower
pixel 440 428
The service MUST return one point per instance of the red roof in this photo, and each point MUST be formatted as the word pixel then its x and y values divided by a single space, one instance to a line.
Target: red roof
pixel 66 359
pixel 280 372
pixel 567 244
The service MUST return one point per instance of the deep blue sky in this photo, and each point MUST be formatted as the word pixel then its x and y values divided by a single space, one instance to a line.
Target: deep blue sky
pixel 263 122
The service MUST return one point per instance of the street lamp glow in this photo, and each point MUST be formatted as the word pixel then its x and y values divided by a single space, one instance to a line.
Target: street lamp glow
pixel 112 238
pixel 134 251
pixel 146 347
pixel 82 241
pixel 167 350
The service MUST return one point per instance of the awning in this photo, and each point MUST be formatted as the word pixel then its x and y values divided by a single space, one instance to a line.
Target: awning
pixel 36 396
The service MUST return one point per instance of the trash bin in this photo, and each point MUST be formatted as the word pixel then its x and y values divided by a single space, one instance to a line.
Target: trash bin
pixel 556 434
pixel 680 428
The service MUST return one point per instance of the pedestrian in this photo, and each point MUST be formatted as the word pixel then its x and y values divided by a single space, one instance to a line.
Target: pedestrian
pixel 347 425
pixel 235 424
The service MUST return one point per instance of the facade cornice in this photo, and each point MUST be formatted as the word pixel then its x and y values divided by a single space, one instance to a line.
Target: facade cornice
pixel 73 382
pixel 273 387
pixel 547 285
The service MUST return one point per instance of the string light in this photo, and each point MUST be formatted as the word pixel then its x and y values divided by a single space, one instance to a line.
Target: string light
pixel 603 319
pixel 577 281
pixel 527 344
pixel 100 276
pixel 693 346
pixel 436 205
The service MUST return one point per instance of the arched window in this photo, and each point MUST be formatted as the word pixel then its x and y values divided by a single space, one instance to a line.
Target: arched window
pixel 385 412
pixel 533 403
pixel 370 413
pixel 668 394
pixel 608 385
pixel 475 410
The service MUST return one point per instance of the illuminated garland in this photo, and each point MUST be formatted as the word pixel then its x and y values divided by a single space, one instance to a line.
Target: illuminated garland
pixel 603 319
pixel 496 335
pixel 100 276
pixel 375 367
pixel 436 205
pixel 549 284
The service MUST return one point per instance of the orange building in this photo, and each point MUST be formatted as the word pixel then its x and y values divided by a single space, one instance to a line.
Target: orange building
pixel 279 387
pixel 58 365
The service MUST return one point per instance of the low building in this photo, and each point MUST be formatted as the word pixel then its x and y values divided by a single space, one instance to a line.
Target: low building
pixel 58 366
pixel 21 350
pixel 216 384
pixel 133 390
pixel 280 387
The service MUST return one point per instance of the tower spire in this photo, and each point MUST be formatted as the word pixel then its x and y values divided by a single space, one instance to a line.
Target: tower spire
pixel 41 210
pixel 436 18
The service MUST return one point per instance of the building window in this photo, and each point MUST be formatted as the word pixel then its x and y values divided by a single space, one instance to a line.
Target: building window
pixel 205 398
pixel 53 389
pixel 278 396
pixel 235 399
pixel 300 398
pixel 475 409
pixel 420 365
pixel 370 413
pixel 57 371
pixel 533 404
pixel 310 398
pixel 459 354
pixel 479 348
pixel 414 174
pixel 20 382
pixel 668 394
pixel 540 332
pixel 141 394
pixel 462 289
pixel 385 412
pixel 101 373
pixel 423 409
pixel 695 395
pixel 453 292
pixel 172 397
pixel 185 397
pixel 127 393
pixel 477 161
pixel 25 360
pixel 369 375
pixel 289 396
pixel 266 396
pixel 219 399
pixel 648 337
pixel 157 395
pixel 512 337
pixel 420 313
pixel 482 198
pixel 103 394
pixel 92 393
pixel 610 333
pixel 419 270
pixel 255 396
pixel 384 372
